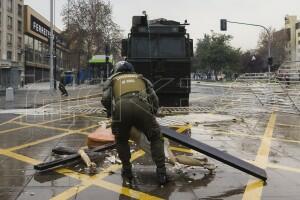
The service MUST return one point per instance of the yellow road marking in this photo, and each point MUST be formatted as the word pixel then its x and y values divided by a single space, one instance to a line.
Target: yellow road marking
pixel 182 128
pixel 254 188
pixel 289 125
pixel 39 141
pixel 55 128
pixel 59 119
pixel 254 136
pixel 44 120
pixel 19 157
pixel 125 191
pixel 41 126
pixel 116 167
pixel 87 180
pixel 14 129
pixel 49 139
pixel 67 194
pixel 11 120
pixel 94 117
pixel 185 150
pixel 286 140
pixel 238 134
pixel 282 167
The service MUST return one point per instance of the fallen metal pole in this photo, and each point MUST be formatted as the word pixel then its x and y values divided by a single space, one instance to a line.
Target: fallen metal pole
pixel 61 162
pixel 214 153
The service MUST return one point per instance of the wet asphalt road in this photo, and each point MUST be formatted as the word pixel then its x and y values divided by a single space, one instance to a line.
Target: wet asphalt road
pixel 269 139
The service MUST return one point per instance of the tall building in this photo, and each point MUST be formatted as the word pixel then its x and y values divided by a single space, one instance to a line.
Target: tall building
pixel 11 42
pixel 292 26
pixel 36 39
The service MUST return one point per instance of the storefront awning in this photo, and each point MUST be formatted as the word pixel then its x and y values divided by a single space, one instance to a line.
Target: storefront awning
pixel 100 59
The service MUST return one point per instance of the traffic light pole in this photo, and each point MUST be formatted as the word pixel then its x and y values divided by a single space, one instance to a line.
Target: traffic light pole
pixel 269 40
pixel 51 46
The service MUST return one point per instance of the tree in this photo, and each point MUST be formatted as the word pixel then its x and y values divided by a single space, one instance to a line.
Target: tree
pixel 214 55
pixel 252 62
pixel 90 28
pixel 278 52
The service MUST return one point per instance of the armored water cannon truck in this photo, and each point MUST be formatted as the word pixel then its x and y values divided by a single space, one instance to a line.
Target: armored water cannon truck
pixel 161 50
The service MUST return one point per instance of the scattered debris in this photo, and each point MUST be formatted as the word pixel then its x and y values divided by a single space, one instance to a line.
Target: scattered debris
pixel 111 159
pixel 91 166
pixel 69 160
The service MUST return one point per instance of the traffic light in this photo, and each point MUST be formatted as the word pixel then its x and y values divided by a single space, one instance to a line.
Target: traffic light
pixel 270 61
pixel 223 24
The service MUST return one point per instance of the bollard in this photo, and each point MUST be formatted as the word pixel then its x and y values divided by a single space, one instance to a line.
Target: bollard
pixel 9 94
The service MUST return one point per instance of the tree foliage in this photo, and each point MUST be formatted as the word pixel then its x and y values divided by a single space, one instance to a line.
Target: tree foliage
pixel 215 54
pixel 252 62
pixel 278 42
pixel 90 28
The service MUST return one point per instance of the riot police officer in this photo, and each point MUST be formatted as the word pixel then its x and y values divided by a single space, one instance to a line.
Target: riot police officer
pixel 61 85
pixel 131 101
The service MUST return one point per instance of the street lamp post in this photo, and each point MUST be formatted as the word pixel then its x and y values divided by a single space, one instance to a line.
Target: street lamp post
pixel 224 28
pixel 51 46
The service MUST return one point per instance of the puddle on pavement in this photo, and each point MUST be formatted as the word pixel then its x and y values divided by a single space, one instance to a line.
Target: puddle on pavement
pixel 24 136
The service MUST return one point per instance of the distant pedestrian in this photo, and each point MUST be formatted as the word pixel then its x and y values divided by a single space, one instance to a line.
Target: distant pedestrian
pixel 61 85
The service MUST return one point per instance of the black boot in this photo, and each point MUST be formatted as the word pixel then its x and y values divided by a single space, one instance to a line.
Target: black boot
pixel 126 172
pixel 161 174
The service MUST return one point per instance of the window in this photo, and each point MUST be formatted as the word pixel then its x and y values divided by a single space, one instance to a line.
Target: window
pixel 288 34
pixel 20 8
pixel 19 26
pixel 19 42
pixel 9 22
pixel 9 55
pixel 28 48
pixel 19 57
pixel 9 5
pixel 9 39
pixel 37 51
pixel 158 47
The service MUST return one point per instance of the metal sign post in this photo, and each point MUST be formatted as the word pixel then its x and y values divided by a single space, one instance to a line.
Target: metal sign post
pixel 51 46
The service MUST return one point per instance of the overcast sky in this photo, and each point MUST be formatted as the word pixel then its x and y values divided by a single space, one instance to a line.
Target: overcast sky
pixel 203 15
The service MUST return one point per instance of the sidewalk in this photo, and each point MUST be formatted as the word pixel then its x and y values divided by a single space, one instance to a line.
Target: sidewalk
pixel 39 94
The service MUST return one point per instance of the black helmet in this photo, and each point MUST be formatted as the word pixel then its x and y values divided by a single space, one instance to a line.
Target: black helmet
pixel 123 66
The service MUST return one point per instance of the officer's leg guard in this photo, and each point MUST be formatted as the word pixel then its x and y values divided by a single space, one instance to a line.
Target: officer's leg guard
pixel 60 89
pixel 158 156
pixel 123 150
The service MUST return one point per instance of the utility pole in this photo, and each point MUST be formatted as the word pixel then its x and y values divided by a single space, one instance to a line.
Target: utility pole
pixel 51 46
pixel 224 28
pixel 55 62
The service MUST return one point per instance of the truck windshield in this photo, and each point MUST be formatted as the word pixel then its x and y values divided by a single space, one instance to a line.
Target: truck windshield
pixel 162 47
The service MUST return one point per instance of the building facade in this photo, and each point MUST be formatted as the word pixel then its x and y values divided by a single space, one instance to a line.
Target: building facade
pixel 292 26
pixel 11 43
pixel 36 39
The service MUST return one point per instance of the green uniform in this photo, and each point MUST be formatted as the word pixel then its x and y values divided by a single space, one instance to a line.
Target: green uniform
pixel 61 85
pixel 131 101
